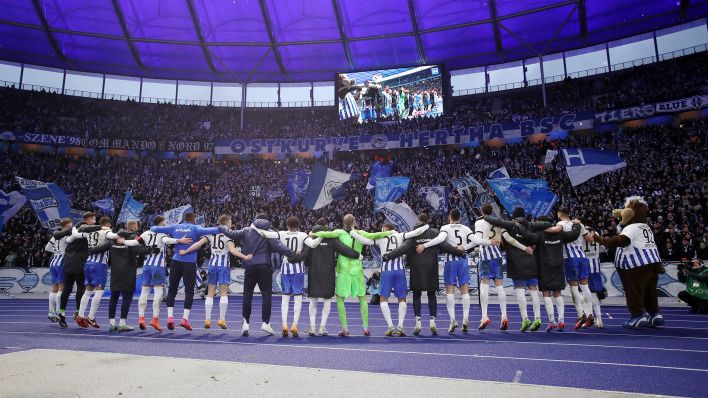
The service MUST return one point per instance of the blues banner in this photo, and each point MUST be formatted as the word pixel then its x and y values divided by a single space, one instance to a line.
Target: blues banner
pixel 531 195
pixel 10 204
pixel 684 104
pixel 473 194
pixel 297 185
pixel 105 205
pixel 49 202
pixel 648 110
pixel 176 215
pixel 452 136
pixel 436 196
pixel 131 209
pixel 389 189
pixel 379 170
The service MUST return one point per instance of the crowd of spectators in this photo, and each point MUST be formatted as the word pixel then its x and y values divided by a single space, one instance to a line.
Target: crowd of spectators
pixel 665 164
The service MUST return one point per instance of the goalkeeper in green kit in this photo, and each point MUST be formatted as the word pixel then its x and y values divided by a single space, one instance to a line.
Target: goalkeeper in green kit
pixel 350 280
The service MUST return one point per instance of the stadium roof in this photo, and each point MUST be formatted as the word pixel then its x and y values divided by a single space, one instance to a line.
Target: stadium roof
pixel 310 40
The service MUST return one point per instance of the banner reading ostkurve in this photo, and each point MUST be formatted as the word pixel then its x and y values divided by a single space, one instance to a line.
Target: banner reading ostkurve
pixel 130 211
pixel 474 196
pixel 10 204
pixel 389 189
pixel 49 202
pixel 531 195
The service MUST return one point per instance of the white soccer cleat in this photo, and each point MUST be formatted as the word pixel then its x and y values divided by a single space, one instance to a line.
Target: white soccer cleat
pixel 266 328
pixel 598 323
pixel 244 328
pixel 323 331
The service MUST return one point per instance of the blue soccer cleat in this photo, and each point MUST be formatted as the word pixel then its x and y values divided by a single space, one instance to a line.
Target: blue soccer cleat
pixel 637 322
pixel 656 320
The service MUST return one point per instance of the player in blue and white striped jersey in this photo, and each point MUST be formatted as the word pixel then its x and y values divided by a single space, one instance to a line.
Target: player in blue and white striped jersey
pixel 592 252
pixel 95 271
pixel 56 269
pixel 393 273
pixel 218 271
pixel 576 268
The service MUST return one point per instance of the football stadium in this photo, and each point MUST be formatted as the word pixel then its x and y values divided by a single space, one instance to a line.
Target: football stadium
pixel 355 198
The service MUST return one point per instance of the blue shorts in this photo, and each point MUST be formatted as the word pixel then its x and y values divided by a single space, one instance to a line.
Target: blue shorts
pixel 491 269
pixel 218 276
pixel 292 284
pixel 457 273
pixel 57 274
pixel 525 282
pixel 96 274
pixel 595 282
pixel 576 268
pixel 393 280
pixel 153 275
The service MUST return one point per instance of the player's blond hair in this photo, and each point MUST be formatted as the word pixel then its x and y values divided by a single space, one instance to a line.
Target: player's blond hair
pixel 349 221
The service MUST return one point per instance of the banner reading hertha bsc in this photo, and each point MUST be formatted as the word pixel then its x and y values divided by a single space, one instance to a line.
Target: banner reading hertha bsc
pixel 452 136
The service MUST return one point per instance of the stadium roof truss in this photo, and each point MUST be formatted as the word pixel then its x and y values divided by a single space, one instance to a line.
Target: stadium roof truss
pixel 311 40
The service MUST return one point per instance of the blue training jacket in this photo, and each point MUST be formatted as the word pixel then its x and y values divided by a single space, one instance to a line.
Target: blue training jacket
pixel 178 231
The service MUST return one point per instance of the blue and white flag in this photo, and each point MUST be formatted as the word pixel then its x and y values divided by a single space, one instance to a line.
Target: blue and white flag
pixel 379 170
pixel 105 205
pixel 200 220
pixel 77 216
pixel 176 215
pixel 49 202
pixel 297 185
pixel 499 173
pixel 583 164
pixel 10 204
pixel 400 215
pixel 436 196
pixel 389 189
pixel 474 196
pixel 325 186
pixel 531 195
pixel 464 218
pixel 130 211
pixel 550 155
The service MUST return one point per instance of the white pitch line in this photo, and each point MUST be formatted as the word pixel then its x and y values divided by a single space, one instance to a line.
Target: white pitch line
pixel 350 349
pixel 517 377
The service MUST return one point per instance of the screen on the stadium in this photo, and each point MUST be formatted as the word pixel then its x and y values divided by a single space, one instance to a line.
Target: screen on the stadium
pixel 390 94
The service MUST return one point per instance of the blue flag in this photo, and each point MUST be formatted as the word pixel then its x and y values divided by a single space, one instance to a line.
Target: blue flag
pixel 10 204
pixel 389 189
pixel 379 170
pixel 49 202
pixel 105 205
pixel 77 216
pixel 499 173
pixel 473 195
pixel 532 195
pixel 131 209
pixel 436 196
pixel 583 164
pixel 297 185
pixel 464 218
pixel 325 186
pixel 176 215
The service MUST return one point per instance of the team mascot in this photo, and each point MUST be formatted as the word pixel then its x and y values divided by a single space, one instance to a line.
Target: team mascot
pixel 638 263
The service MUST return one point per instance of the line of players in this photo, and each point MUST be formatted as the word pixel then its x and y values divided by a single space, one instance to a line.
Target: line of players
pixel 563 252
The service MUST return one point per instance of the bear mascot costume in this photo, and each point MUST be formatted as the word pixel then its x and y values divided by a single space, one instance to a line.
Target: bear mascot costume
pixel 638 263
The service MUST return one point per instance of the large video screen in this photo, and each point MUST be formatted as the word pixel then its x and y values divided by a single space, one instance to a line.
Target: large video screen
pixel 390 94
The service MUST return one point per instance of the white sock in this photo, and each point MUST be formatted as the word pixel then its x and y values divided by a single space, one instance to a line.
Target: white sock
pixel 549 309
pixel 386 313
pixel 297 308
pixel 597 309
pixel 112 322
pixel 521 298
pixel 143 300
pixel 223 305
pixel 52 302
pixel 577 300
pixel 170 312
pixel 560 303
pixel 501 296
pixel 57 305
pixel 587 299
pixel 284 309
pixel 84 303
pixel 326 307
pixel 402 307
pixel 208 305
pixel 122 322
pixel 185 314
pixel 95 302
pixel 156 299
pixel 536 300
pixel 450 303
pixel 465 307
pixel 484 298
pixel 313 312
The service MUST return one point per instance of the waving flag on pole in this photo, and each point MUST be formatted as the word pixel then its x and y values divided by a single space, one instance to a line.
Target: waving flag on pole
pixel 297 185
pixel 106 205
pixel 550 155
pixel 474 196
pixel 389 189
pixel 325 186
pixel 49 202
pixel 130 211
pixel 531 195
pixel 400 215
pixel 583 164
pixel 176 215
pixel 499 173
pixel 77 216
pixel 379 170
pixel 436 196
pixel 10 204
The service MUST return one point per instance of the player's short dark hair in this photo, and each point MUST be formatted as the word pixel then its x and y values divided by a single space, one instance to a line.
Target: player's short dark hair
pixel 563 210
pixel 224 218
pixel 64 222
pixel 487 209
pixel 88 215
pixel 423 217
pixel 105 220
pixel 322 221
pixel 518 212
pixel 158 220
pixel 544 219
pixel 455 214
pixel 189 217
pixel 388 227
pixel 292 222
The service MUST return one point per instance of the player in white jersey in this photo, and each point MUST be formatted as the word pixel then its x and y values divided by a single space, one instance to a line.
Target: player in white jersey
pixel 56 269
pixel 95 272
pixel 292 275
pixel 457 269
pixel 393 273
pixel 219 270
pixel 576 268
pixel 592 252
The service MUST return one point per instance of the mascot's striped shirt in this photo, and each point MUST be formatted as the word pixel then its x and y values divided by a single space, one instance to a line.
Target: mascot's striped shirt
pixel 641 250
